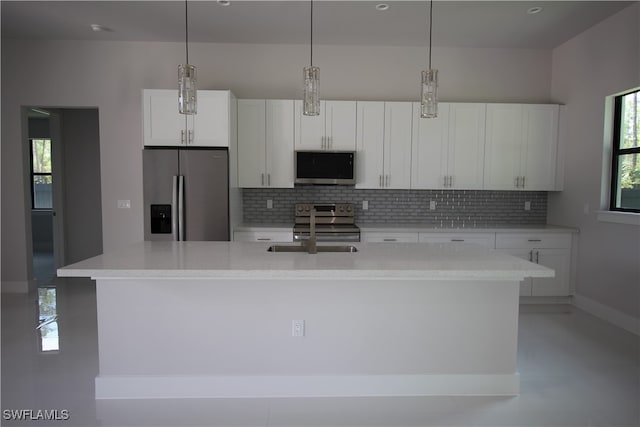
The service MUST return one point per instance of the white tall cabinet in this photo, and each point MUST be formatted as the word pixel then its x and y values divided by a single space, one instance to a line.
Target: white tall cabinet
pixel 521 147
pixel 265 143
pixel 448 151
pixel 383 158
pixel 334 129
pixel 165 126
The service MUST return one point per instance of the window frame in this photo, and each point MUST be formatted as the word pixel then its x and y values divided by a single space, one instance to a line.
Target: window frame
pixel 617 152
pixel 33 174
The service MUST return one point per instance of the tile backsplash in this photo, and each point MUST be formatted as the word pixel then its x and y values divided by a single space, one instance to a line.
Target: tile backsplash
pixel 453 208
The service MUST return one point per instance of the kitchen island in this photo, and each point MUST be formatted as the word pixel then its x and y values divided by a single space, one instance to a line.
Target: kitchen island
pixel 215 319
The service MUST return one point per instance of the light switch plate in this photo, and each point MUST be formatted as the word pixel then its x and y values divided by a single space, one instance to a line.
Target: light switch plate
pixel 269 204
pixel 297 328
pixel 365 205
pixel 432 205
pixel 527 205
pixel 124 204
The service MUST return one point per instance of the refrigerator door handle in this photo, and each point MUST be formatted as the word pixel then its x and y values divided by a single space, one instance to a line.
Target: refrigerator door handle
pixel 181 235
pixel 174 208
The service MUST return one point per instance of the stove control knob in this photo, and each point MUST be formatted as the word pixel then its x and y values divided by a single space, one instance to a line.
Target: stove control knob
pixel 306 208
pixel 348 208
pixel 341 209
pixel 300 208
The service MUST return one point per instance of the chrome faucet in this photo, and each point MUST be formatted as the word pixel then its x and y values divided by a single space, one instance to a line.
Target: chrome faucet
pixel 311 242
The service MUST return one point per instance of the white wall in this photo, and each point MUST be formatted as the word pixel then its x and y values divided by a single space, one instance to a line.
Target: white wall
pixel 600 62
pixel 111 75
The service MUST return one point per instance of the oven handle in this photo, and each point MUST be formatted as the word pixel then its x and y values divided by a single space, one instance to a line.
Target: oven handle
pixel 328 237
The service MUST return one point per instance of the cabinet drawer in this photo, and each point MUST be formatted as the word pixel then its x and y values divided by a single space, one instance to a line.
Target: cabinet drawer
pixel 381 237
pixel 263 236
pixel 483 239
pixel 533 240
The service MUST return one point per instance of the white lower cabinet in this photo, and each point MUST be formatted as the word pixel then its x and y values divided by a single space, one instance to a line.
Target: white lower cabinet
pixel 549 250
pixel 486 240
pixel 389 237
pixel 263 236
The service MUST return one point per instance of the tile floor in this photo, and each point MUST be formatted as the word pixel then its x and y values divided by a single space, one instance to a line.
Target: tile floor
pixel 576 370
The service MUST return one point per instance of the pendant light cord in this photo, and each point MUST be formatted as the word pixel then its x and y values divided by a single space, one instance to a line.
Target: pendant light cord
pixel 430 29
pixel 311 33
pixel 186 29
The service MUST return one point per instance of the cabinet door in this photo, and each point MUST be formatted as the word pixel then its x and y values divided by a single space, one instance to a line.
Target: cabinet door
pixel 503 146
pixel 429 148
pixel 526 285
pixel 370 144
pixel 397 144
pixel 210 126
pixel 465 153
pixel 486 240
pixel 340 125
pixel 263 236
pixel 163 125
pixel 540 142
pixel 251 143
pixel 279 143
pixel 309 130
pixel 558 260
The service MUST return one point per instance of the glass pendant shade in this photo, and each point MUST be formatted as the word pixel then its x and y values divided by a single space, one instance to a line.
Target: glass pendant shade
pixel 311 99
pixel 187 101
pixel 429 99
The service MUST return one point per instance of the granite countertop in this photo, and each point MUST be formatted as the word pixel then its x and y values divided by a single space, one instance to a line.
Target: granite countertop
pixel 249 260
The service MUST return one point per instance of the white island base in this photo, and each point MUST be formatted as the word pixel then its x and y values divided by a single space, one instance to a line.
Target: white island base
pixel 378 328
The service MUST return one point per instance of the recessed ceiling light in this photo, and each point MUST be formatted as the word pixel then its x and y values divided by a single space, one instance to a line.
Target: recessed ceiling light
pixel 534 10
pixel 100 28
pixel 382 7
pixel 224 2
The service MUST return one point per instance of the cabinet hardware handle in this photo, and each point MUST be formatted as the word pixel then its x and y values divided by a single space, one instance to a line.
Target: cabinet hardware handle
pixel 388 180
pixel 517 183
pixel 390 240
pixel 535 240
pixel 450 181
pixel 264 239
pixel 523 178
pixel 190 140
pixel 537 257
pixel 262 179
pixel 330 138
pixel 531 256
pixel 444 184
pixel 269 179
pixel 182 137
pixel 457 240
pixel 380 180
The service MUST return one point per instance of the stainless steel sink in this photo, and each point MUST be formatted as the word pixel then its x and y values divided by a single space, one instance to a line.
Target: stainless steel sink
pixel 298 248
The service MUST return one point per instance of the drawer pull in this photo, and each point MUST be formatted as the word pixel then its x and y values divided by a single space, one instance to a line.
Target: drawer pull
pixel 390 240
pixel 535 240
pixel 457 240
pixel 264 239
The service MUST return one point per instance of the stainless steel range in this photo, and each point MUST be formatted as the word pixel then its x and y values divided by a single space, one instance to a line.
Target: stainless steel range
pixel 334 222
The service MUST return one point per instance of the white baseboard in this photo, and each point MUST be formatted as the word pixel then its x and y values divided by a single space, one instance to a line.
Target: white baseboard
pixel 607 313
pixel 172 387
pixel 15 287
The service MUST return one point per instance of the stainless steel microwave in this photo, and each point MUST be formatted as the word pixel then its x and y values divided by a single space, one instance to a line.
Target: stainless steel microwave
pixel 325 167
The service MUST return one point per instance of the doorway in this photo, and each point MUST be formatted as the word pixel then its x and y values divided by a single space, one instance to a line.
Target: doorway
pixel 63 147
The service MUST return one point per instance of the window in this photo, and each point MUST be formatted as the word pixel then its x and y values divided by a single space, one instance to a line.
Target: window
pixel 625 167
pixel 41 180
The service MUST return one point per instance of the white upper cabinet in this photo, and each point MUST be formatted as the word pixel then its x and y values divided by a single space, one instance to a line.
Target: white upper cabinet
pixel 383 158
pixel 265 143
pixel 334 129
pixel 448 150
pixel 165 126
pixel 521 146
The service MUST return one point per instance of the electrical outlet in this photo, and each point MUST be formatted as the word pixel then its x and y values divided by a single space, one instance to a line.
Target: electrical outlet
pixel 432 205
pixel 365 205
pixel 527 205
pixel 269 204
pixel 297 328
pixel 124 204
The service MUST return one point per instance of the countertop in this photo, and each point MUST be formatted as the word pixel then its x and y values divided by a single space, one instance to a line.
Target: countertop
pixel 424 228
pixel 246 260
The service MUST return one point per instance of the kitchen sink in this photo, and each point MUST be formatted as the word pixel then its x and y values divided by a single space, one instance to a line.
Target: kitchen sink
pixel 299 248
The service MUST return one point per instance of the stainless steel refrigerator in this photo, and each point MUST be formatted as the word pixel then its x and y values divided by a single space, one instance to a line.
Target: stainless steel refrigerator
pixel 186 194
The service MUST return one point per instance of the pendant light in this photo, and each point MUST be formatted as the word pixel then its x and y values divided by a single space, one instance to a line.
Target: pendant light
pixel 311 74
pixel 187 100
pixel 429 96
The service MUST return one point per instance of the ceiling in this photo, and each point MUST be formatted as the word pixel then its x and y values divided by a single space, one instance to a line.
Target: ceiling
pixel 488 24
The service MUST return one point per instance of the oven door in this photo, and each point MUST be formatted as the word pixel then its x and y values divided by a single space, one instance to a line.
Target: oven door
pixel 327 236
